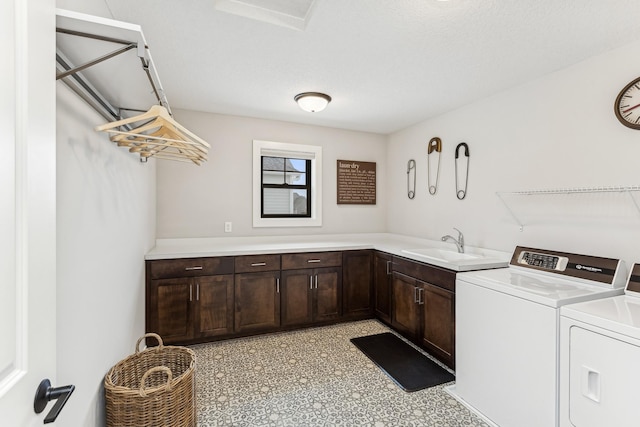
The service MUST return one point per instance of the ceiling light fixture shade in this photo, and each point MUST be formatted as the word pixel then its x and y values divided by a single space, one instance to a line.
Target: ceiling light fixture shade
pixel 312 101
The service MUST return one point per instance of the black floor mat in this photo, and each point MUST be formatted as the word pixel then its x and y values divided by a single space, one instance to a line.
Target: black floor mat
pixel 409 368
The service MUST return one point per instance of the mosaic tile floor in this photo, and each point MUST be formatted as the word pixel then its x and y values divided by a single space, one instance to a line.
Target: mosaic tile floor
pixel 311 377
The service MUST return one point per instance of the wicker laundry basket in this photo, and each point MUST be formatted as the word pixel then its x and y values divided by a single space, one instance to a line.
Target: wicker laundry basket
pixel 154 387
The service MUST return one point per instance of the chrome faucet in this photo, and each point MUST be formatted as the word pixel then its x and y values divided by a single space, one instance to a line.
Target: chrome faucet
pixel 459 241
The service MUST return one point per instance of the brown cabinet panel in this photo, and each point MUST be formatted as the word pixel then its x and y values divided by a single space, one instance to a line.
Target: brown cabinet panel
pixel 435 275
pixel 327 293
pixel 170 313
pixel 311 295
pixel 183 309
pixel 439 323
pixel 257 301
pixel 382 285
pixel 214 313
pixel 190 267
pixel 357 284
pixel 423 306
pixel 406 315
pixel 297 292
pixel 311 260
pixel 256 263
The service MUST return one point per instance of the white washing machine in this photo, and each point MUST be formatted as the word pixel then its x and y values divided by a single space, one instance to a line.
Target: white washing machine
pixel 507 331
pixel 600 360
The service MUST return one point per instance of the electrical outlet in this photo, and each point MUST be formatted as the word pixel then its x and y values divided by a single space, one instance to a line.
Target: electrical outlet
pixel 228 227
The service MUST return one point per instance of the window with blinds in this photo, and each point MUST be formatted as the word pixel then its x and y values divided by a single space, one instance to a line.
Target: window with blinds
pixel 286 184
pixel 286 187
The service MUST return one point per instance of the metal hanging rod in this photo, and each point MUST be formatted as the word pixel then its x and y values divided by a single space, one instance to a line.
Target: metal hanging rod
pixel 70 73
pixel 97 61
pixel 94 36
pixel 127 46
pixel 145 67
pixel 86 90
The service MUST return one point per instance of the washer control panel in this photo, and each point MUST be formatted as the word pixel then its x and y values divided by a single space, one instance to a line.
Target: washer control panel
pixel 544 261
pixel 606 271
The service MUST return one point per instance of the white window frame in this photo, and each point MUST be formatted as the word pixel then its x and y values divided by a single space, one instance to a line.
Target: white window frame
pixel 295 151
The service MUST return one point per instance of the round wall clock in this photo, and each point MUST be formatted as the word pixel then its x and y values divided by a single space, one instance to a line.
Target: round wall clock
pixel 627 106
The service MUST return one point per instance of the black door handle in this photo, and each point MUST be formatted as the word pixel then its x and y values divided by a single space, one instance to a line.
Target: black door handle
pixel 46 393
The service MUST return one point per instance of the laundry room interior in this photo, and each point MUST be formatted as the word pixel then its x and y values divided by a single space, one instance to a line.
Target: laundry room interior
pixel 498 139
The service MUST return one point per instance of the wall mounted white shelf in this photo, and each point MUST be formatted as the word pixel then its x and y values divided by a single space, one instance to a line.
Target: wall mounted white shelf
pixel 589 205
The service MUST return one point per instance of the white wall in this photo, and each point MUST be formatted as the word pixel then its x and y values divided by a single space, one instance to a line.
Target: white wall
pixel 555 132
pixel 196 201
pixel 105 225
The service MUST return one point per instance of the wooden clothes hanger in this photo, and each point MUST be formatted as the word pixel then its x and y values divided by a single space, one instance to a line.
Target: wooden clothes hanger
pixel 162 136
pixel 158 125
pixel 166 141
pixel 153 112
pixel 157 134
pixel 162 117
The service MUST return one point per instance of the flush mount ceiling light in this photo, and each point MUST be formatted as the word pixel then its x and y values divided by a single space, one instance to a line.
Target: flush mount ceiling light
pixel 312 101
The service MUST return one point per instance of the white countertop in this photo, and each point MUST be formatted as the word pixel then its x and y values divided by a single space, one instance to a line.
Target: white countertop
pixel 394 244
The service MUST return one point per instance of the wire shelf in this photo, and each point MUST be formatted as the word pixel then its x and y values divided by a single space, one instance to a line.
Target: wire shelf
pixel 613 204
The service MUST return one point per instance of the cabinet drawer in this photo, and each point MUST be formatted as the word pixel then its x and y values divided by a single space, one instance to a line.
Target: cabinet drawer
pixel 188 267
pixel 427 273
pixel 249 263
pixel 311 260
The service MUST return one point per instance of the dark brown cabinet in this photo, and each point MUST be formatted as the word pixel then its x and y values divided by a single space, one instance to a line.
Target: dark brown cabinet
pixel 327 301
pixel 214 311
pixel 187 299
pixel 201 299
pixel 169 309
pixel 357 295
pixel 257 294
pixel 407 305
pixel 423 306
pixel 382 285
pixel 311 295
pixel 257 301
pixel 438 327
pixel 297 300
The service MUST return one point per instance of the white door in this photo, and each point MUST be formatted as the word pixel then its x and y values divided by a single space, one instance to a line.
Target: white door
pixel 27 207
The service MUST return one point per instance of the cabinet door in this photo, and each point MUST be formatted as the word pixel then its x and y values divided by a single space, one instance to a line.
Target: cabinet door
pixel 257 301
pixel 214 308
pixel 438 335
pixel 327 284
pixel 382 286
pixel 296 300
pixel 357 284
pixel 406 312
pixel 170 313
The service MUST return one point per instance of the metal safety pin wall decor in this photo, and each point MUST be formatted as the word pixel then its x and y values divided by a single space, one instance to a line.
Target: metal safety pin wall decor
pixel 462 193
pixel 435 144
pixel 411 190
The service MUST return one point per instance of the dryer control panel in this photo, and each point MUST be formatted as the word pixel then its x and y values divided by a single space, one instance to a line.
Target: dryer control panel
pixel 633 284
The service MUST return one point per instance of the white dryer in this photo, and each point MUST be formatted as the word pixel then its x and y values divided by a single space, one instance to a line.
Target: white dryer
pixel 507 331
pixel 600 360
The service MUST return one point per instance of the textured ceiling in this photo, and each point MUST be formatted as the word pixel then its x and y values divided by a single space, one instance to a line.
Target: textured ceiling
pixel 387 64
